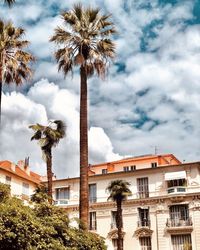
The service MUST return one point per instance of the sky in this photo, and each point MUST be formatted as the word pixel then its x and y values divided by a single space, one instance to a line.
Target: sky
pixel 149 99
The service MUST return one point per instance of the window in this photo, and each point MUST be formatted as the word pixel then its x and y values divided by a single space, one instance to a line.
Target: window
pixel 143 187
pixel 154 164
pixel 113 219
pixel 25 188
pixel 176 183
pixel 144 220
pixel 145 243
pixel 93 192
pixel 179 215
pixel 93 221
pixel 181 242
pixel 133 168
pixel 8 180
pixel 62 193
pixel 126 169
pixel 104 171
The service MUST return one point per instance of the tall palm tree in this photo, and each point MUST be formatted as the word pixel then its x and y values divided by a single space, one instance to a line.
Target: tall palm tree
pixel 84 42
pixel 14 61
pixel 48 137
pixel 118 192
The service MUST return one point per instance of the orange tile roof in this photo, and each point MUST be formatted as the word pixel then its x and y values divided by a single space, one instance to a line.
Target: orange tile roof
pixel 7 166
pixel 136 158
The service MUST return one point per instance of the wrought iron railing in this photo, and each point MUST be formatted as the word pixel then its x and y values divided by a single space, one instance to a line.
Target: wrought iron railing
pixel 144 223
pixel 179 189
pixel 179 222
pixel 143 195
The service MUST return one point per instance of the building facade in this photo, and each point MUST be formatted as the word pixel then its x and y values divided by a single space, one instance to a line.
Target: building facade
pixel 163 212
pixel 22 181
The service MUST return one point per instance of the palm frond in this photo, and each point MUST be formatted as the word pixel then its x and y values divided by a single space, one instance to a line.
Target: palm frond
pixel 69 18
pixel 118 190
pixel 61 36
pixel 78 11
pixel 47 136
pixel 15 60
pixel 9 2
pixel 84 41
pixel 92 14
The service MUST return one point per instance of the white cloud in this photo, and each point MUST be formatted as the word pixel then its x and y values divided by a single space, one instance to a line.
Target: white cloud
pixel 154 101
pixel 100 146
pixel 46 101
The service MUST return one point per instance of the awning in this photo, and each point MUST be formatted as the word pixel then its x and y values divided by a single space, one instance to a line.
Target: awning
pixel 61 187
pixel 175 175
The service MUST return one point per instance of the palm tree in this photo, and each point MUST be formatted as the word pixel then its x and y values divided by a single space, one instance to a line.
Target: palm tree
pixel 48 137
pixel 84 43
pixel 13 59
pixel 118 192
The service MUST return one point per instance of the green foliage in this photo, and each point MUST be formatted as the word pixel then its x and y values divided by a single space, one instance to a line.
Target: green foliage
pixel 40 195
pixel 118 190
pixel 4 191
pixel 47 136
pixel 42 227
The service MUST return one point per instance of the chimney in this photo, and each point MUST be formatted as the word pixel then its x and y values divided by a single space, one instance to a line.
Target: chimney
pixel 21 164
pixel 13 166
pixel 24 165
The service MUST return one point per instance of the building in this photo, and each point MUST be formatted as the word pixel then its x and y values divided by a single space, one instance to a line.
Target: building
pixel 163 212
pixel 22 181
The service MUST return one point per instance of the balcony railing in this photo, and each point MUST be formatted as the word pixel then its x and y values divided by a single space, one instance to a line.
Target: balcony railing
pixel 61 202
pixel 178 222
pixel 180 189
pixel 144 223
pixel 143 195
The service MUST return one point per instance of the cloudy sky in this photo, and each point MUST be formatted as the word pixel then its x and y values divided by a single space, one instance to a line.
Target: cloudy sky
pixel 150 98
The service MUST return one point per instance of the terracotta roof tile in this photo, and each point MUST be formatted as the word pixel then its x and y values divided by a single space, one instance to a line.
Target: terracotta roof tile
pixel 7 165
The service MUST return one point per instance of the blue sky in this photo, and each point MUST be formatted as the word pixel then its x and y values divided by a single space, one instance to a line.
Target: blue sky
pixel 149 98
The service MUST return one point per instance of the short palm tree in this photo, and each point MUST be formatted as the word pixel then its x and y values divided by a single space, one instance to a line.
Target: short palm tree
pixel 84 42
pixel 48 137
pixel 14 61
pixel 118 192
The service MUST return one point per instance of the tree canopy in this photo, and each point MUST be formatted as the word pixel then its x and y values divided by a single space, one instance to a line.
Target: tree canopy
pixel 40 226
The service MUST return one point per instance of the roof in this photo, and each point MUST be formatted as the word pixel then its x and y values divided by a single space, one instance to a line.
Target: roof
pixel 136 158
pixel 7 166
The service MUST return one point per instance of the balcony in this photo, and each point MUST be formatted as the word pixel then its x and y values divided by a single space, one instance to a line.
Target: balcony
pixel 176 190
pixel 62 202
pixel 179 225
pixel 144 223
pixel 143 195
pixel 143 229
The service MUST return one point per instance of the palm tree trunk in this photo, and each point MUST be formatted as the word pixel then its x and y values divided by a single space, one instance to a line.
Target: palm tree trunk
pixel 84 190
pixel 119 225
pixel 49 176
pixel 1 89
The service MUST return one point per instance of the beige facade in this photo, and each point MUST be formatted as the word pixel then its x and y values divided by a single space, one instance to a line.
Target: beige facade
pixel 163 212
pixel 22 181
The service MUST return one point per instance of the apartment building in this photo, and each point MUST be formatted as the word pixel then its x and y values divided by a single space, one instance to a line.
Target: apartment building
pixel 163 212
pixel 22 181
